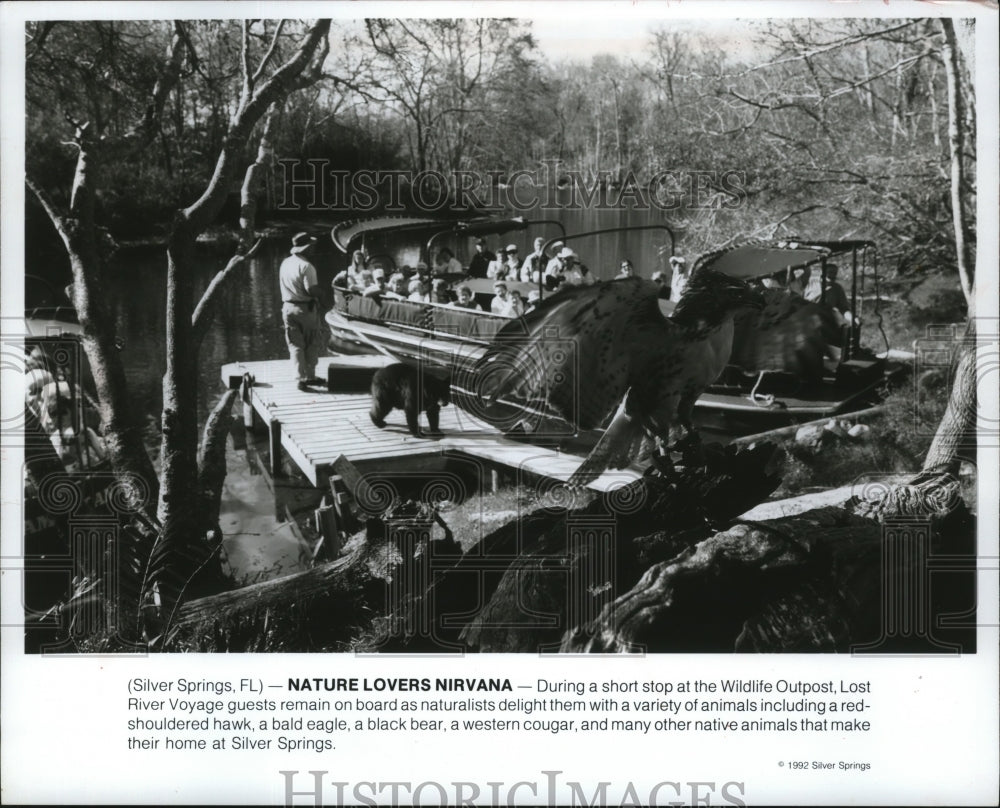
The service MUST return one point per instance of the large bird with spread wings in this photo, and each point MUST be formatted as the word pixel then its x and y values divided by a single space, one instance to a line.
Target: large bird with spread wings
pixel 607 350
pixel 608 354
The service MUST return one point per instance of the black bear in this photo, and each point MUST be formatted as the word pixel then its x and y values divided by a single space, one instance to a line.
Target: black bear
pixel 405 387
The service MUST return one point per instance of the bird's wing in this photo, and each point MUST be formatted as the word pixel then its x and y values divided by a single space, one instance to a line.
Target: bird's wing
pixel 788 334
pixel 578 352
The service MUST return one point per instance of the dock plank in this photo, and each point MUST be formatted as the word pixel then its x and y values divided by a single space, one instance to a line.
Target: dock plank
pixel 315 428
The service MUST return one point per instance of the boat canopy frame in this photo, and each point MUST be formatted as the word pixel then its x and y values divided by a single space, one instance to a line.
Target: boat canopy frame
pixel 756 260
pixel 347 235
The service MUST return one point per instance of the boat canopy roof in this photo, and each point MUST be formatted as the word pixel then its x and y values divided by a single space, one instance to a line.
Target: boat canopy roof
pixel 759 260
pixel 345 234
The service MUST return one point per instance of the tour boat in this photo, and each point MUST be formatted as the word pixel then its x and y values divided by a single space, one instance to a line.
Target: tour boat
pixel 443 338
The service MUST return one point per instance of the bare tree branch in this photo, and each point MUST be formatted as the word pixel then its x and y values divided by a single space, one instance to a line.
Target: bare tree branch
pixel 270 52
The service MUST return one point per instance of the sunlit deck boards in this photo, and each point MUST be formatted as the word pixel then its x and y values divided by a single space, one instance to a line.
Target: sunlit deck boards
pixel 316 428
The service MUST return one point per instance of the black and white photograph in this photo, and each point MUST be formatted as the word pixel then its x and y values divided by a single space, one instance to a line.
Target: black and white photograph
pixel 492 380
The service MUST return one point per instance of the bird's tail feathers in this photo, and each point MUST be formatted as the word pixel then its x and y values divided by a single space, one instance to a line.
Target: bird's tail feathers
pixel 614 449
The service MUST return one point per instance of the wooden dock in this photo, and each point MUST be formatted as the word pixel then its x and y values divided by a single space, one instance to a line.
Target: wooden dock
pixel 316 428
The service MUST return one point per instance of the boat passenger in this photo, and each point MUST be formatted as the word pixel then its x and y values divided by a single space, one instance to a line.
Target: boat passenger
pixel 680 275
pixel 481 260
pixel 446 263
pixel 516 307
pixel 532 265
pixel 466 300
pixel 660 279
pixel 420 290
pixel 513 263
pixel 440 291
pixel 396 288
pixel 501 301
pixel 499 269
pixel 377 286
pixel 362 281
pixel 577 273
pixel 556 268
pixel 507 266
pixel 357 264
pixel 534 298
pixel 833 296
pixel 626 270
pixel 800 279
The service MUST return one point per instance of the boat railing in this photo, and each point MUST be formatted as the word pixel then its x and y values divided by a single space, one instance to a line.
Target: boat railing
pixel 436 318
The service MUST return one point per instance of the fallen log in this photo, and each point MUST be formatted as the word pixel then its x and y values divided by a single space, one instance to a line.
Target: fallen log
pixel 826 580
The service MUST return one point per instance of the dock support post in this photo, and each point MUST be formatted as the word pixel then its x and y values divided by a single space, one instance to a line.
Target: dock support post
pixel 329 530
pixel 245 394
pixel 274 445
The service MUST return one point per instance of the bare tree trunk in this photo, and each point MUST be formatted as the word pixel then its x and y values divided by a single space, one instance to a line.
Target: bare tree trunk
pixel 184 529
pixel 956 140
pixel 120 424
pixel 955 439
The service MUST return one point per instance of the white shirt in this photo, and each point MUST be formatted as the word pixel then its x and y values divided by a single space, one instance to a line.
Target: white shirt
pixel 295 278
pixel 451 266
pixel 576 277
pixel 530 267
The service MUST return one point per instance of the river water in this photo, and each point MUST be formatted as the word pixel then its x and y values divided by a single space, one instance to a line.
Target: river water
pixel 248 327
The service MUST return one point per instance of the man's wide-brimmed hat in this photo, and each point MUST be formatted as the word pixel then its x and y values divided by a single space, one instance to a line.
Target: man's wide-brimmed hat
pixel 677 259
pixel 511 248
pixel 302 242
pixel 566 252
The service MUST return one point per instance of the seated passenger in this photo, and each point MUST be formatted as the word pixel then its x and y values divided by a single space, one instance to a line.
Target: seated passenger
pixel 501 301
pixel 420 290
pixel 357 264
pixel 680 275
pixel 534 298
pixel 533 264
pixel 626 270
pixel 516 307
pixel 800 279
pixel 396 287
pixel 377 286
pixel 446 263
pixel 576 273
pixel 362 281
pixel 833 296
pixel 660 279
pixel 466 300
pixel 506 267
pixel 440 291
pixel 555 270
pixel 481 260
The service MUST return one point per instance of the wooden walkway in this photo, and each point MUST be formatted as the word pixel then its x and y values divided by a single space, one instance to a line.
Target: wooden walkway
pixel 316 428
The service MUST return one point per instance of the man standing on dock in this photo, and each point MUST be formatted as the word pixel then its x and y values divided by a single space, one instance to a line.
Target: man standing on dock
pixel 300 299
